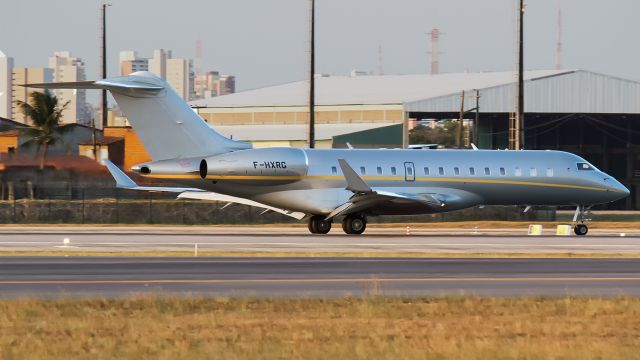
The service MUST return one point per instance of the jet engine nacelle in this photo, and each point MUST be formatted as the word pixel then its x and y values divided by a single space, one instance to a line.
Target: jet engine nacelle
pixel 169 167
pixel 264 165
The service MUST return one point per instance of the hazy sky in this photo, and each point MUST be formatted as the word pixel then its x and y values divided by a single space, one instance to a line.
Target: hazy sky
pixel 264 42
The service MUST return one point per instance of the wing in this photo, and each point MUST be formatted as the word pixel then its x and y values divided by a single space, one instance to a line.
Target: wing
pixel 125 182
pixel 211 196
pixel 365 197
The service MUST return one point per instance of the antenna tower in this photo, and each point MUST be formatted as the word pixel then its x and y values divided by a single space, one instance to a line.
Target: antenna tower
pixel 435 39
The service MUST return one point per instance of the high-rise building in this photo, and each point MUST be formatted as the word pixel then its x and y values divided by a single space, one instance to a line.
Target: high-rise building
pixel 226 85
pixel 130 63
pixel 6 75
pixel 21 76
pixel 128 55
pixel 180 76
pixel 215 84
pixel 158 63
pixel 67 68
pixel 130 66
pixel 177 72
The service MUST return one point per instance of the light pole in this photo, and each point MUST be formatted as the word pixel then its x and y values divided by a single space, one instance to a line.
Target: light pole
pixel 312 82
pixel 103 54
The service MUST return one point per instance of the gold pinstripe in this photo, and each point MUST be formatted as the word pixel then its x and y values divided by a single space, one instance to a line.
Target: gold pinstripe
pixel 374 178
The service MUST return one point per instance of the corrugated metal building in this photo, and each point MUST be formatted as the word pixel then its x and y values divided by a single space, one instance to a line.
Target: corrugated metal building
pixel 591 114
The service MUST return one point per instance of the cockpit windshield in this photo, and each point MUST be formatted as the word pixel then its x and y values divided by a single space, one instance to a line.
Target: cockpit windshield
pixel 585 166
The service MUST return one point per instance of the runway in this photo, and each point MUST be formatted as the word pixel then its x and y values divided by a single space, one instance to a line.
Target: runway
pixel 297 240
pixel 53 277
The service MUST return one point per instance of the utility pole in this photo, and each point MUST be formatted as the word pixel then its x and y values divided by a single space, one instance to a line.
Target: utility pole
pixel 94 139
pixel 460 122
pixel 312 81
pixel 520 108
pixel 103 54
pixel 474 134
pixel 559 41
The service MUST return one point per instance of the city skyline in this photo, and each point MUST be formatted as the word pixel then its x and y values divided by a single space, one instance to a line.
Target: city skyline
pixel 266 44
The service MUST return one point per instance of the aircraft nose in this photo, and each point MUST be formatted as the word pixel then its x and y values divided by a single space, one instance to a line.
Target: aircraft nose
pixel 623 189
pixel 617 188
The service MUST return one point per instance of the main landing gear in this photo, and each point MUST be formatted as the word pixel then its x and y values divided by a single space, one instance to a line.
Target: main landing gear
pixel 579 218
pixel 318 225
pixel 352 224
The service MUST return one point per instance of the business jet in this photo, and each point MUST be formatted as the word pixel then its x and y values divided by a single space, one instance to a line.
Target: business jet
pixel 323 185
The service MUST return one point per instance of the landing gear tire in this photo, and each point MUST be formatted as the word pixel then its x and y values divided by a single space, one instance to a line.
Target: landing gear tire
pixel 354 224
pixel 580 229
pixel 318 225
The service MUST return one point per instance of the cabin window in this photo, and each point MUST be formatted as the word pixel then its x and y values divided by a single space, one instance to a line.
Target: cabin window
pixel 379 170
pixel 334 170
pixel 393 170
pixel 503 172
pixel 472 171
pixel 487 171
pixel 533 172
pixel 363 171
pixel 549 172
pixel 441 170
pixel 518 171
pixel 409 171
pixel 426 171
pixel 456 171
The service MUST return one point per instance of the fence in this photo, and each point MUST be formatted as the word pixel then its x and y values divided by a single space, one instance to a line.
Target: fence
pixel 114 206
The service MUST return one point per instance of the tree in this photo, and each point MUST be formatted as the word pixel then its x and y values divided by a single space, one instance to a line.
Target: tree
pixel 45 114
pixel 444 133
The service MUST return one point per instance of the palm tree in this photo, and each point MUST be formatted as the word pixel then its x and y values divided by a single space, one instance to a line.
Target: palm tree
pixel 45 114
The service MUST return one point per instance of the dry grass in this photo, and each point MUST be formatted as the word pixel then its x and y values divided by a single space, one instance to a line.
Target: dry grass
pixel 441 328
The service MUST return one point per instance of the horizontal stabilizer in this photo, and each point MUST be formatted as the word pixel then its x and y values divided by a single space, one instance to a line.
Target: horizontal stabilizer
pixel 130 87
pixel 64 85
pixel 124 182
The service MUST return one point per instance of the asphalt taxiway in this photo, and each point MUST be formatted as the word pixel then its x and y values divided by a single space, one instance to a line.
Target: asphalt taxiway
pixel 292 240
pixel 53 277
pixel 318 275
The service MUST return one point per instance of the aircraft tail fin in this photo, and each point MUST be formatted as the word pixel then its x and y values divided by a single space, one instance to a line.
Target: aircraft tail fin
pixel 167 126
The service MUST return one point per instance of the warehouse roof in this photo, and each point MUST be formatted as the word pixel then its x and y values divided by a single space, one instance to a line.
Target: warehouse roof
pixel 291 132
pixel 557 91
pixel 369 89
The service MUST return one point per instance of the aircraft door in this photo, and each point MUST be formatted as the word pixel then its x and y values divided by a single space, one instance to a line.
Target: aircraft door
pixel 409 172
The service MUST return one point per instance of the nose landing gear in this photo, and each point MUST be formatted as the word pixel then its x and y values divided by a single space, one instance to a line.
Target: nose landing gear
pixel 580 229
pixel 579 218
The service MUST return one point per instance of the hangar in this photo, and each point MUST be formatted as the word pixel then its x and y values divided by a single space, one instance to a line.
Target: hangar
pixel 594 115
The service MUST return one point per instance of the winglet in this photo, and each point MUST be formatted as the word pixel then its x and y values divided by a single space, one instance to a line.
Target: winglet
pixel 122 180
pixel 354 181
